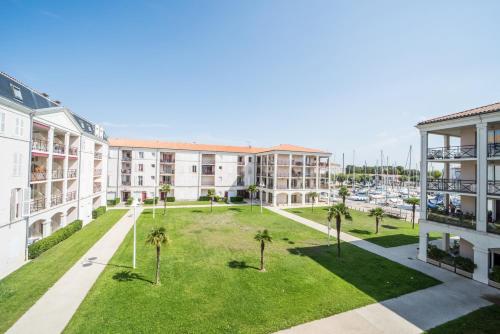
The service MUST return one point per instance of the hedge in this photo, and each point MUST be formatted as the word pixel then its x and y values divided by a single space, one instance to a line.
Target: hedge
pixel 98 212
pixel 495 274
pixel 204 198
pixel 151 200
pixel 34 250
pixel 171 199
pixel 113 202
pixel 129 201
pixel 237 199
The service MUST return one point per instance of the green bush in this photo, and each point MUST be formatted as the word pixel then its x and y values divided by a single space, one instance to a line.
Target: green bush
pixel 151 200
pixel 465 264
pixel 113 202
pixel 34 250
pixel 435 253
pixel 171 199
pixel 204 198
pixel 495 274
pixel 98 212
pixel 237 199
pixel 129 201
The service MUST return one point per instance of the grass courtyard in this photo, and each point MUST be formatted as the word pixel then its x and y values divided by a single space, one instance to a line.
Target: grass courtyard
pixel 392 232
pixel 483 321
pixel 21 289
pixel 210 281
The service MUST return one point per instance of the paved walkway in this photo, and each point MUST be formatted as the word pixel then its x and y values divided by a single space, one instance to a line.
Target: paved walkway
pixel 410 313
pixel 52 312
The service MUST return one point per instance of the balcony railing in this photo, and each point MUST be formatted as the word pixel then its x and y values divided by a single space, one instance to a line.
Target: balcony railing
pixel 59 148
pixel 494 188
pixel 283 174
pixel 311 163
pixel 56 200
pixel 97 156
pixel 281 186
pixel 40 145
pixel 207 171
pixel 73 150
pixel 167 171
pixel 167 160
pixel 452 185
pixel 126 171
pixel 37 204
pixel 207 182
pixel 126 158
pixel 97 187
pixel 297 163
pixel 126 183
pixel 57 174
pixel 97 172
pixel 283 162
pixel 71 173
pixel 206 161
pixel 38 176
pixel 462 220
pixel 452 152
pixel 311 174
pixel 70 196
pixel 240 183
pixel 494 228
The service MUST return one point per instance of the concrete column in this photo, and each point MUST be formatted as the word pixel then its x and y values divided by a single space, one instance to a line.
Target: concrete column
pixel 329 180
pixel 48 185
pixel 65 166
pixel 46 229
pixel 303 198
pixel 290 171
pixel 422 245
pixel 423 174
pixel 289 197
pixel 303 172
pixel 445 242
pixel 482 176
pixel 317 172
pixel 274 198
pixel 275 173
pixel 481 261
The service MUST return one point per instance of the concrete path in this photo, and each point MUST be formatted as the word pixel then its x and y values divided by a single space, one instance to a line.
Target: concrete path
pixel 52 312
pixel 410 313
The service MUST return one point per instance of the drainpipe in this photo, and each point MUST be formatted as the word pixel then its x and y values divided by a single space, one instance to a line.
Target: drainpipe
pixel 32 113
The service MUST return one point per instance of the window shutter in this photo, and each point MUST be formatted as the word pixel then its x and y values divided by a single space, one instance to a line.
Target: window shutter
pixel 17 127
pixel 21 128
pixel 26 202
pixel 2 122
pixel 13 204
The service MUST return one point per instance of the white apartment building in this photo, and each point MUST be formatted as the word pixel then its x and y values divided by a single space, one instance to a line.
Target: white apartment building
pixel 471 144
pixel 52 173
pixel 284 174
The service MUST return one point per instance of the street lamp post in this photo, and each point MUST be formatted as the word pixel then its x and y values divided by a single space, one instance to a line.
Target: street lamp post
pixel 135 204
pixel 329 227
pixel 261 185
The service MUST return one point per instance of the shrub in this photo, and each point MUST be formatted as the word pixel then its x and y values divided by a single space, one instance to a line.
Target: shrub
pixel 495 274
pixel 170 199
pixel 98 212
pixel 129 201
pixel 237 199
pixel 465 264
pixel 204 198
pixel 36 249
pixel 151 200
pixel 114 201
pixel 435 253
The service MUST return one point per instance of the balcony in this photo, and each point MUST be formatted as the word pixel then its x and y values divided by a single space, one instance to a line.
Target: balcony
pixel 59 148
pixel 167 170
pixel 38 176
pixel 126 183
pixel 70 196
pixel 208 161
pixel 37 204
pixel 97 172
pixel 167 160
pixel 207 170
pixel 97 156
pixel 40 145
pixel 494 188
pixel 494 150
pixel 452 152
pixel 283 162
pixel 297 162
pixel 240 183
pixel 126 158
pixel 126 171
pixel 97 187
pixel 71 173
pixel 56 200
pixel 57 174
pixel 73 150
pixel 452 185
pixel 282 174
pixel 312 175
pixel 456 219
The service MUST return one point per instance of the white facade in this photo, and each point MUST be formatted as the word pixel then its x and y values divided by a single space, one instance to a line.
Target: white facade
pixel 476 153
pixel 62 182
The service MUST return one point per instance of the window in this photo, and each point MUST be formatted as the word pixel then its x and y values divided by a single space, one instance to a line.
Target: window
pixel 139 180
pixel 19 129
pixel 17 164
pixel 141 167
pixel 154 154
pixel 17 92
pixel 153 165
pixel 2 122
pixel 194 169
pixel 141 155
pixel 152 177
pixel 249 159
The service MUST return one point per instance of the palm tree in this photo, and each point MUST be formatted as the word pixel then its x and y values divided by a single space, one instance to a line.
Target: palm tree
pixel 252 189
pixel 263 237
pixel 211 194
pixel 413 201
pixel 343 192
pixel 337 211
pixel 436 174
pixel 378 213
pixel 165 189
pixel 312 196
pixel 157 237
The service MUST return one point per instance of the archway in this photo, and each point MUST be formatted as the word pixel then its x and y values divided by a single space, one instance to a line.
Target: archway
pixel 56 221
pixel 71 215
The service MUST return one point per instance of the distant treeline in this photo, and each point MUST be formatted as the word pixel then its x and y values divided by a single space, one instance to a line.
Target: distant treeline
pixel 398 170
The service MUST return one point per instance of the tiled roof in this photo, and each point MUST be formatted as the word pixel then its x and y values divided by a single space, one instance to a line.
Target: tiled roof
pixel 133 143
pixel 467 113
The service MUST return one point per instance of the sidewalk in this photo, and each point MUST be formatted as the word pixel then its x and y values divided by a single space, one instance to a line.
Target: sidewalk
pixel 52 312
pixel 411 313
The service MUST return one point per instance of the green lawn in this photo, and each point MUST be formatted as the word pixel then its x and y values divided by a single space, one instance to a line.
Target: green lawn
pixel 185 203
pixel 392 232
pixel 210 281
pixel 483 321
pixel 21 289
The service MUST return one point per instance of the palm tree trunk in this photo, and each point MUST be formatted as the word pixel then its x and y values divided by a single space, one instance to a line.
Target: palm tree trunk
pixel 376 225
pixel 158 265
pixel 262 245
pixel 343 200
pixel 338 235
pixel 413 217
pixel 164 204
pixel 251 202
pixel 211 204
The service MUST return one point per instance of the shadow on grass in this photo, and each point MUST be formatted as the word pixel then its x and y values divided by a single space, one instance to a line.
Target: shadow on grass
pixel 197 211
pixel 393 240
pixel 390 227
pixel 357 231
pixel 240 265
pixel 235 209
pixel 128 276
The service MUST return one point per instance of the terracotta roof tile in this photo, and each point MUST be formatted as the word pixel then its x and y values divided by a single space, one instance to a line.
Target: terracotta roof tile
pixel 467 113
pixel 139 143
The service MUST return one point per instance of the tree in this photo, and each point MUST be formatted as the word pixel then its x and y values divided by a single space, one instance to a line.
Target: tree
pixel 403 178
pixel 157 237
pixel 378 213
pixel 338 211
pixel 341 178
pixel 252 189
pixel 312 196
pixel 413 201
pixel 436 174
pixel 165 189
pixel 343 192
pixel 263 237
pixel 211 194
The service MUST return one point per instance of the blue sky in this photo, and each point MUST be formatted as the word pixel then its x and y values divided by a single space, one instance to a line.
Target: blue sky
pixel 337 75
